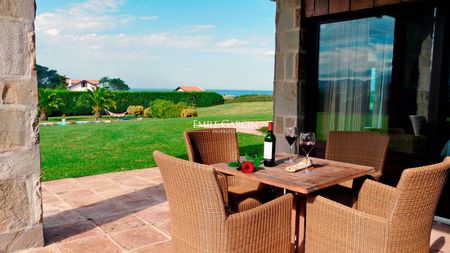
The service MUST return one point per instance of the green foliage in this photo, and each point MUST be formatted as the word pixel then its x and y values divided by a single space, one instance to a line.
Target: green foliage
pixel 256 159
pixel 147 113
pixel 124 146
pixel 48 101
pixel 250 98
pixel 113 83
pixel 136 110
pixel 167 109
pixel 126 98
pixel 49 78
pixel 99 100
pixel 189 112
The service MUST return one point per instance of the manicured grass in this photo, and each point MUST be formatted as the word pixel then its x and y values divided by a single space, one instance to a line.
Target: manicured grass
pixel 81 150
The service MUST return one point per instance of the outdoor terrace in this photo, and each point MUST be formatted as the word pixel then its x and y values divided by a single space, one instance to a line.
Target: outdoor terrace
pixel 123 212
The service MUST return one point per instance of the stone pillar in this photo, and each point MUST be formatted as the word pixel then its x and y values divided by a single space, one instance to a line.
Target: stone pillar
pixel 286 84
pixel 20 196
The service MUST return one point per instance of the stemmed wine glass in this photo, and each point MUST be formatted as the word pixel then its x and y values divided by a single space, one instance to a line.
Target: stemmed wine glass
pixel 291 135
pixel 307 142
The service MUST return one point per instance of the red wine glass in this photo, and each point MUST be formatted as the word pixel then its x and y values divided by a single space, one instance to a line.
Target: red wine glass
pixel 307 142
pixel 291 135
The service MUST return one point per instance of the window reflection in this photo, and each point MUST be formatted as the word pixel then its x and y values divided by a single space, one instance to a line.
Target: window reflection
pixel 355 70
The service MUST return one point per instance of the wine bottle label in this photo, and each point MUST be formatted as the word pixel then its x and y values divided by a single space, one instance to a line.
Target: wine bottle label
pixel 268 150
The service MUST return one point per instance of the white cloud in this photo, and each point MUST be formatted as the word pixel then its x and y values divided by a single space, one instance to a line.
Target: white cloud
pixel 88 16
pixel 232 43
pixel 148 18
pixel 269 53
pixel 53 32
pixel 91 34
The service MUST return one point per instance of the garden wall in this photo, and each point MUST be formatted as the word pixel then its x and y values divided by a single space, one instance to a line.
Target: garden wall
pixel 20 195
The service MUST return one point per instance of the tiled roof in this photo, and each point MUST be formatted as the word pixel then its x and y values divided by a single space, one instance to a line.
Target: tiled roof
pixel 189 88
pixel 74 81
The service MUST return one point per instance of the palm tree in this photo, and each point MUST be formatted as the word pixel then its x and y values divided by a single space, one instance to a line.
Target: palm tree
pixel 99 99
pixel 48 101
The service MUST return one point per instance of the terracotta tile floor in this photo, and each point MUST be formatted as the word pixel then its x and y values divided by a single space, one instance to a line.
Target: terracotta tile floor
pixel 123 212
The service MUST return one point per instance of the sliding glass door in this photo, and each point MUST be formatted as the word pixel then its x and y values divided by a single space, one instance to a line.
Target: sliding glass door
pixel 374 75
pixel 355 70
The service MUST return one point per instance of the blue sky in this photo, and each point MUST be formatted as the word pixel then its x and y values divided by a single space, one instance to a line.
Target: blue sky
pixel 215 44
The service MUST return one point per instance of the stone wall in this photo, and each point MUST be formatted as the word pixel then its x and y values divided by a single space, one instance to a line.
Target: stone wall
pixel 287 83
pixel 20 197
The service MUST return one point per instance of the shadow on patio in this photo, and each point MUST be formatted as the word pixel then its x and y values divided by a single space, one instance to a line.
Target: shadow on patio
pixel 116 212
pixel 124 212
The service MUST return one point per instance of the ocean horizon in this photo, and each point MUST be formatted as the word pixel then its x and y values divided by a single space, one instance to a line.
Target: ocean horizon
pixel 220 91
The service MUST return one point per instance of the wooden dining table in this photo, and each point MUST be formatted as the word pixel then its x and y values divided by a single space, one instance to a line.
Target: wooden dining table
pixel 324 173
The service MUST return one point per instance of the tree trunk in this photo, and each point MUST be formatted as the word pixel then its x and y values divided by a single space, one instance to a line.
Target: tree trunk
pixel 43 116
pixel 97 114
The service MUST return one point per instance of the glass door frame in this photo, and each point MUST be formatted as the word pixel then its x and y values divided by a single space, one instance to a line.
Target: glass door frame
pixel 310 39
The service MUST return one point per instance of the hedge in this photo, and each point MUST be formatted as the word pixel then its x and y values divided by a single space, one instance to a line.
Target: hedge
pixel 126 98
pixel 250 98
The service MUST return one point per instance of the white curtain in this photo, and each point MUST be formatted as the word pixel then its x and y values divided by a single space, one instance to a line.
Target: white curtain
pixel 355 62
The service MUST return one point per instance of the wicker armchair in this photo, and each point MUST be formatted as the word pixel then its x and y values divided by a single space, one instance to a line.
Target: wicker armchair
pixel 364 148
pixel 209 146
pixel 384 219
pixel 199 219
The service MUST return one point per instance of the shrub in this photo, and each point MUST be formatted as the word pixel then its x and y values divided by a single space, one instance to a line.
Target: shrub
pixel 189 112
pixel 147 112
pixel 250 98
pixel 136 110
pixel 167 109
pixel 127 98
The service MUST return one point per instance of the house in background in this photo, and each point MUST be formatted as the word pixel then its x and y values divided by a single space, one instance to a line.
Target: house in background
pixel 189 89
pixel 81 85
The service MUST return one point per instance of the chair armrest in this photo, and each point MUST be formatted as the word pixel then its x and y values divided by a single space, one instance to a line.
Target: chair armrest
pixel 223 184
pixel 266 228
pixel 376 198
pixel 332 227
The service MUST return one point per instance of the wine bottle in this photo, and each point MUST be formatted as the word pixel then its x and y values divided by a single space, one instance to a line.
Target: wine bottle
pixel 269 147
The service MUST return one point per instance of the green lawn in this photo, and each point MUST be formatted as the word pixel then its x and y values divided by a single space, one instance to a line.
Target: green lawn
pixel 81 150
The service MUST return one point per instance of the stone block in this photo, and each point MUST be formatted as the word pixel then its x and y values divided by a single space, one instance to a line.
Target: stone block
pixel 291 67
pixel 18 240
pixel 290 121
pixel 286 99
pixel 20 164
pixel 289 41
pixel 19 127
pixel 18 9
pixel 14 205
pixel 15 49
pixel 35 198
pixel 282 145
pixel 279 124
pixel 286 20
pixel 297 17
pixel 279 66
pixel 19 91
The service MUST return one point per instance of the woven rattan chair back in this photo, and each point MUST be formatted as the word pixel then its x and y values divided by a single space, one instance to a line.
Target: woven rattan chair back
pixel 364 148
pixel 418 192
pixel 209 146
pixel 196 205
